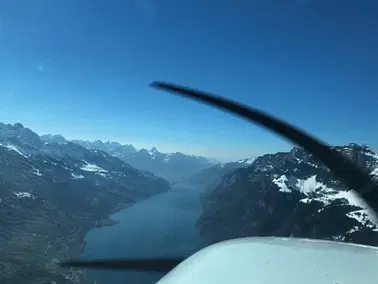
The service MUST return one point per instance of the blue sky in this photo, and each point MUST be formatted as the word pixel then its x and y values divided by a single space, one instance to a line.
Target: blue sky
pixel 82 68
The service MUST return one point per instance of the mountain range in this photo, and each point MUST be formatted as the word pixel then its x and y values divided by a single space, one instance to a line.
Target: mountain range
pixel 283 194
pixel 174 167
pixel 52 191
pixel 51 194
pixel 290 194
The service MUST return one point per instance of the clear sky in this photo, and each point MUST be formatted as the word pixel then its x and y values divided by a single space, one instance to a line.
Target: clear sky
pixel 82 69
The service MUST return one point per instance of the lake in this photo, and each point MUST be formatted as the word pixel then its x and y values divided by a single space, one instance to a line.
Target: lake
pixel 161 225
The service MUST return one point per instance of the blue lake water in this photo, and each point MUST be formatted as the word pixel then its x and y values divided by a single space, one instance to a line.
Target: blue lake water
pixel 161 225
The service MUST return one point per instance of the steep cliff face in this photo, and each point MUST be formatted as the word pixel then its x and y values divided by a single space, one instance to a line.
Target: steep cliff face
pixel 289 194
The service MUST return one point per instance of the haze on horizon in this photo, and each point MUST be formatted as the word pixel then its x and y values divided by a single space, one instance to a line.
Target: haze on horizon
pixel 163 147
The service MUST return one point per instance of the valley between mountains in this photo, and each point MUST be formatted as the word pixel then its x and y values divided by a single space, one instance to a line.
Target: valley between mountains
pixel 53 191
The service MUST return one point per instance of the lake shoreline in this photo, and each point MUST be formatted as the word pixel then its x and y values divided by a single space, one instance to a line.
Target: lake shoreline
pixel 163 225
pixel 106 221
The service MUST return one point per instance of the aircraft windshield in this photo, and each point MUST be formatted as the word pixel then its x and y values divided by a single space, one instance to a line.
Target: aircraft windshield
pixel 95 163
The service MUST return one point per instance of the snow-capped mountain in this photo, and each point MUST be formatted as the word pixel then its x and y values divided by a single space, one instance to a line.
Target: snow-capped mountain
pixel 289 194
pixel 113 148
pixel 24 152
pixel 210 176
pixel 19 133
pixel 174 167
pixel 51 194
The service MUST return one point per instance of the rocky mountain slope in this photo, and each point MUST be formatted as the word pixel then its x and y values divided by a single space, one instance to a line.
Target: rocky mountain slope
pixel 289 194
pixel 51 194
pixel 174 167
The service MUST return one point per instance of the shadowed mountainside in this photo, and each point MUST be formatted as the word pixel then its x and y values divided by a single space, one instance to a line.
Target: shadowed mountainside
pixel 50 195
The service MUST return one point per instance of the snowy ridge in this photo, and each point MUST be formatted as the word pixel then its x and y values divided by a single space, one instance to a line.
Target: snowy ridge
pixel 291 194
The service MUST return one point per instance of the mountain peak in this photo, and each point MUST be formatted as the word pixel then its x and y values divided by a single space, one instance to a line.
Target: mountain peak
pixel 54 138
pixel 18 132
pixel 18 125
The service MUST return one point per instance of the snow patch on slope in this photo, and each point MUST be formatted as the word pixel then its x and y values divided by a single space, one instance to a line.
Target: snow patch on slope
pixel 248 161
pixel 14 148
pixel 371 154
pixel 317 191
pixel 24 194
pixel 363 217
pixel 281 183
pixel 375 172
pixel 306 186
pixel 92 168
pixel 351 197
pixel 76 176
pixel 36 172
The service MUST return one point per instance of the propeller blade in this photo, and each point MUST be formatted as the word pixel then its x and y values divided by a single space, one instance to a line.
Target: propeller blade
pixel 336 162
pixel 147 265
